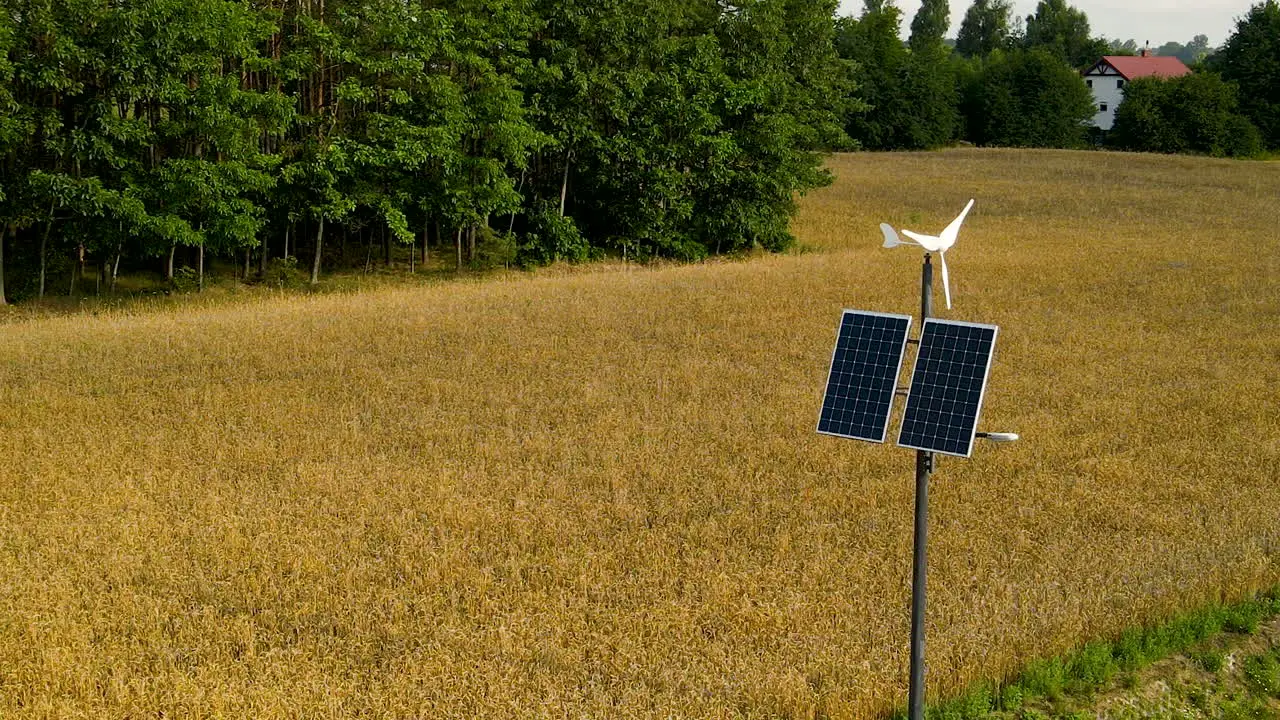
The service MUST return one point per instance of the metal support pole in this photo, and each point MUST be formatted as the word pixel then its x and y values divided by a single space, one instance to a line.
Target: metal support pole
pixel 924 466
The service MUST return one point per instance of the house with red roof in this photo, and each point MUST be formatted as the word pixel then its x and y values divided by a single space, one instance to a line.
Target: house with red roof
pixel 1109 75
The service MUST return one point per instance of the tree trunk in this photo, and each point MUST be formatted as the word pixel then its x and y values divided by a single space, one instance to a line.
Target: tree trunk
pixel 262 258
pixel 458 244
pixel 77 261
pixel 115 268
pixel 44 244
pixel 386 246
pixel 315 263
pixel 168 274
pixel 246 265
pixel 426 241
pixel 511 224
pixel 287 228
pixel 564 184
pixel 200 272
pixel 3 232
pixel 471 244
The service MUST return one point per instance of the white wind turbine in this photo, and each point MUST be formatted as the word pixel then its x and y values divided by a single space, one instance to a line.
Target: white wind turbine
pixel 933 243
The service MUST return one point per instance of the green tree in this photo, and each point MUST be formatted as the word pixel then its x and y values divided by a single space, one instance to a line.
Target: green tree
pixel 1027 98
pixel 929 25
pixel 929 83
pixel 204 165
pixel 1170 49
pixel 910 95
pixel 680 128
pixel 1251 59
pixel 491 55
pixel 1196 50
pixel 655 127
pixel 11 139
pixel 784 102
pixel 871 42
pixel 1196 113
pixel 985 28
pixel 1193 52
pixel 1116 46
pixel 403 131
pixel 1064 31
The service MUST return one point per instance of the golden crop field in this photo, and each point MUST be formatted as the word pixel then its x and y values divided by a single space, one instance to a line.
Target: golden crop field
pixel 599 494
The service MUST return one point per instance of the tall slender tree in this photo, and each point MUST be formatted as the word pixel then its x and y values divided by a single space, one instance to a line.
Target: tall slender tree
pixel 985 28
pixel 929 25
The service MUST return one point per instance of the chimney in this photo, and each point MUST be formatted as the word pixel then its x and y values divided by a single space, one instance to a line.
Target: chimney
pixel 1145 51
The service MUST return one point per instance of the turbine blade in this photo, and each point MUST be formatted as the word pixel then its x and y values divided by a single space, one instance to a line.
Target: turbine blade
pixel 946 281
pixel 950 233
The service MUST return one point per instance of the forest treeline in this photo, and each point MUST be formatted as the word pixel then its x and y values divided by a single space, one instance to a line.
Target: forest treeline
pixel 162 134
pixel 137 131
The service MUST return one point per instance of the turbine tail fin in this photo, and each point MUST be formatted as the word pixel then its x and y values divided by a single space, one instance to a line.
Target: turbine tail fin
pixel 891 238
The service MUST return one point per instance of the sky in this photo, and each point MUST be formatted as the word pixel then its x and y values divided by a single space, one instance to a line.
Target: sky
pixel 1157 21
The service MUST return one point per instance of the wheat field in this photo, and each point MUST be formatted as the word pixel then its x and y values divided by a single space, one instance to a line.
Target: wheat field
pixel 599 493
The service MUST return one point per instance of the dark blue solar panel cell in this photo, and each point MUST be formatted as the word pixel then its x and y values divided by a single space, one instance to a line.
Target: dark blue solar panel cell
pixel 947 385
pixel 864 375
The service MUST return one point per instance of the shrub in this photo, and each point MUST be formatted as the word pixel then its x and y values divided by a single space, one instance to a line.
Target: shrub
pixel 1196 113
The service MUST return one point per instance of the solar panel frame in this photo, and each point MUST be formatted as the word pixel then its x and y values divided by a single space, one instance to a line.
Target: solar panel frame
pixel 881 395
pixel 921 389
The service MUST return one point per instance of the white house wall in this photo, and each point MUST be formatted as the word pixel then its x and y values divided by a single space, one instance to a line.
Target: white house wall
pixel 1108 91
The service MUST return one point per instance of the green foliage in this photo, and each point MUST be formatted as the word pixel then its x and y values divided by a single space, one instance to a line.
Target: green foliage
pixel 1196 113
pixel 985 28
pixel 1116 46
pixel 910 95
pixel 284 273
pixel 494 249
pixel 1026 98
pixel 929 25
pixel 1251 59
pixel 1093 665
pixel 1096 663
pixel 185 279
pixel 1209 660
pixel 1196 50
pixel 977 703
pixel 551 237
pixel 1011 697
pixel 1045 678
pixel 664 127
pixel 1245 617
pixel 1063 30
pixel 1263 673
pixel 682 129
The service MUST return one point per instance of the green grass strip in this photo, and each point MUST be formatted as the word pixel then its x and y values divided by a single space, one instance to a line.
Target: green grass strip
pixel 1089 668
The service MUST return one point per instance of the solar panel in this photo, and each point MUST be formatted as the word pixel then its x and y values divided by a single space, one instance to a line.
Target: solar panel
pixel 947 385
pixel 864 375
